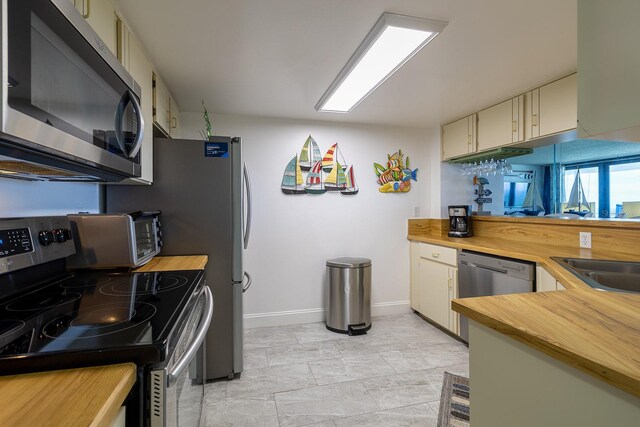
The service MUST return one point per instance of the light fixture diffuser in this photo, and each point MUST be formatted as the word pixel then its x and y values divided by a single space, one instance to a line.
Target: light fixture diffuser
pixel 392 41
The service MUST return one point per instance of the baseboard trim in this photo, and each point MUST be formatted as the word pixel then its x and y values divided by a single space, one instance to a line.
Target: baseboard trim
pixel 313 315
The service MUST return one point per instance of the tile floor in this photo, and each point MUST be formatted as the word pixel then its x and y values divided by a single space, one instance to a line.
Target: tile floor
pixel 306 375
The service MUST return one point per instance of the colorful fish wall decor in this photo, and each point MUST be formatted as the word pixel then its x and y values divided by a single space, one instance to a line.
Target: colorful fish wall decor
pixel 327 173
pixel 397 176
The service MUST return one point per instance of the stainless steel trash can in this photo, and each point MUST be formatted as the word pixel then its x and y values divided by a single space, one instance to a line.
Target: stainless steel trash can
pixel 348 307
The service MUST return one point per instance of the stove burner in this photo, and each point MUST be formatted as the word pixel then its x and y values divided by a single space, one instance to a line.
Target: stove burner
pixel 104 320
pixel 147 284
pixel 80 282
pixel 9 326
pixel 37 302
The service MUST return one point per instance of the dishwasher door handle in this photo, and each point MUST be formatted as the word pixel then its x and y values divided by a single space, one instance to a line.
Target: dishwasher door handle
pixel 484 267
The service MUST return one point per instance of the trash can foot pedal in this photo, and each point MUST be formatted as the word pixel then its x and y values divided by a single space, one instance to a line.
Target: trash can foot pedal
pixel 358 329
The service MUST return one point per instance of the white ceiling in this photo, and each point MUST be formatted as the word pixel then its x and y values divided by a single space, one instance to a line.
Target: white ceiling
pixel 277 57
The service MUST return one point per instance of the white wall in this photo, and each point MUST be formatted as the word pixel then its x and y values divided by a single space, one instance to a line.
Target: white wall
pixel 293 236
pixel 37 198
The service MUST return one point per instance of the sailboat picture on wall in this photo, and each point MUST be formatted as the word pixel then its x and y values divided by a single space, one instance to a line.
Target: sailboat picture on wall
pixel 578 203
pixel 292 180
pixel 310 154
pixel 328 173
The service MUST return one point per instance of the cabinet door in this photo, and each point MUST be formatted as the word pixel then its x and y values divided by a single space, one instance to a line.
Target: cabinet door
pixel 434 291
pixel 558 107
pixel 101 15
pixel 454 318
pixel 161 105
pixel 608 89
pixel 544 280
pixel 174 113
pixel 459 137
pixel 414 248
pixel 501 124
pixel 141 71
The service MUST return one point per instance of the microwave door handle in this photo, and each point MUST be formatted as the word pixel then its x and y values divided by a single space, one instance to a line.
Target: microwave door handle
pixel 248 284
pixel 201 333
pixel 124 100
pixel 127 97
pixel 247 184
pixel 139 128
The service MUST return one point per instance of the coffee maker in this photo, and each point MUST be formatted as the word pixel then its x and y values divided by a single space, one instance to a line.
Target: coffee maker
pixel 460 221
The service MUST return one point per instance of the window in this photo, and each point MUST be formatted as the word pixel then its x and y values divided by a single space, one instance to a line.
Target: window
pixel 624 198
pixel 610 187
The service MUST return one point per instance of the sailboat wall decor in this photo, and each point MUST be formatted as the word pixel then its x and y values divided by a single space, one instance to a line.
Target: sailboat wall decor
pixel 311 173
pixel 292 181
pixel 577 203
pixel 396 177
pixel 310 154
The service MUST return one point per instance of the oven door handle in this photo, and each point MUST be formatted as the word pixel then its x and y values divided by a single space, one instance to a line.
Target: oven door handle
pixel 205 320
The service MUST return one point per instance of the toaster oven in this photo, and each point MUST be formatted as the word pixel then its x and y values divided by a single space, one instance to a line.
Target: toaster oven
pixel 114 240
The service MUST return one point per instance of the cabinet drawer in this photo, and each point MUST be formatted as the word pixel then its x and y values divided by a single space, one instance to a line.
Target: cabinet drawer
pixel 438 253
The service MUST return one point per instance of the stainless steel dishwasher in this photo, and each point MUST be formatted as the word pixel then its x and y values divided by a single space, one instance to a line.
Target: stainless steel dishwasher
pixel 484 275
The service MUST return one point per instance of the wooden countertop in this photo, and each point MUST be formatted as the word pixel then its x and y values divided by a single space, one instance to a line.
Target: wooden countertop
pixel 594 331
pixel 74 397
pixel 534 252
pixel 78 397
pixel 174 263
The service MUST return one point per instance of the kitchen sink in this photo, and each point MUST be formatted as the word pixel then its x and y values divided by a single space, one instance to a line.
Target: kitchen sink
pixel 606 275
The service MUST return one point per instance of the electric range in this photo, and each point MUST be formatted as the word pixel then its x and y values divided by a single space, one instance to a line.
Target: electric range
pixel 54 319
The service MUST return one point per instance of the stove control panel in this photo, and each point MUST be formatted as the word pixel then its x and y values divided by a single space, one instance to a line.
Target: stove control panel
pixel 25 242
pixel 15 241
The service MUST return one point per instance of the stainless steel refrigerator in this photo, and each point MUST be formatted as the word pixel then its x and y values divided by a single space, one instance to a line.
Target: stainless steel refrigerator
pixel 202 190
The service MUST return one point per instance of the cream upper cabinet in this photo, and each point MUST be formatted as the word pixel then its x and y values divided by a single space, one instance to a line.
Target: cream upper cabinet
pixel 608 69
pixel 101 15
pixel 434 283
pixel 161 105
pixel 459 137
pixel 166 110
pixel 141 71
pixel 502 124
pixel 552 108
pixel 174 118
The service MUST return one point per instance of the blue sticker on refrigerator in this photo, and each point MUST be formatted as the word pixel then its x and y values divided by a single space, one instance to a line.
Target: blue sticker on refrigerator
pixel 216 149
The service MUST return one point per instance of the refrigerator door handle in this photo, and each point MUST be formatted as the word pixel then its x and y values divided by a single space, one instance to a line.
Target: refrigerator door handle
pixel 248 284
pixel 247 225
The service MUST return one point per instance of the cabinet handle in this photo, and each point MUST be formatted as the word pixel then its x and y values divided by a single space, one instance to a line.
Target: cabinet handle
pixel 534 120
pixel 435 254
pixel 86 8
pixel 174 123
pixel 514 126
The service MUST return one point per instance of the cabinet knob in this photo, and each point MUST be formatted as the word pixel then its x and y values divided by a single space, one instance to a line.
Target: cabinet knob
pixel 435 254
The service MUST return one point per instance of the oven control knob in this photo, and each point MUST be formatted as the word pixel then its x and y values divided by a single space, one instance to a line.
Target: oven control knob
pixel 60 235
pixel 45 237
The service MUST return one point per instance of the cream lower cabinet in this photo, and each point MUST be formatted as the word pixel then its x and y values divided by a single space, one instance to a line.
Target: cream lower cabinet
pixel 434 283
pixel 546 282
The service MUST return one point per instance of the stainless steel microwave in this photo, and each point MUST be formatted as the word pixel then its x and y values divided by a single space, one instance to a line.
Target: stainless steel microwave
pixel 69 109
pixel 114 240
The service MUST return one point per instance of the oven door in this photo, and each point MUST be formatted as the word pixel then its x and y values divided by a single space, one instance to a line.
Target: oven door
pixel 177 391
pixel 66 93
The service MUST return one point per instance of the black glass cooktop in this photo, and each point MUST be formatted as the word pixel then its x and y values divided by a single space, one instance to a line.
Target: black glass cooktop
pixel 94 317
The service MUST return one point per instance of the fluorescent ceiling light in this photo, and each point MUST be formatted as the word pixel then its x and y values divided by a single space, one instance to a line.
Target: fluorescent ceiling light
pixel 392 41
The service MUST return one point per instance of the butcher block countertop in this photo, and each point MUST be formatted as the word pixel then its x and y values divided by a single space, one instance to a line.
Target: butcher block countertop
pixel 74 397
pixel 173 263
pixel 596 332
pixel 537 239
pixel 78 397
